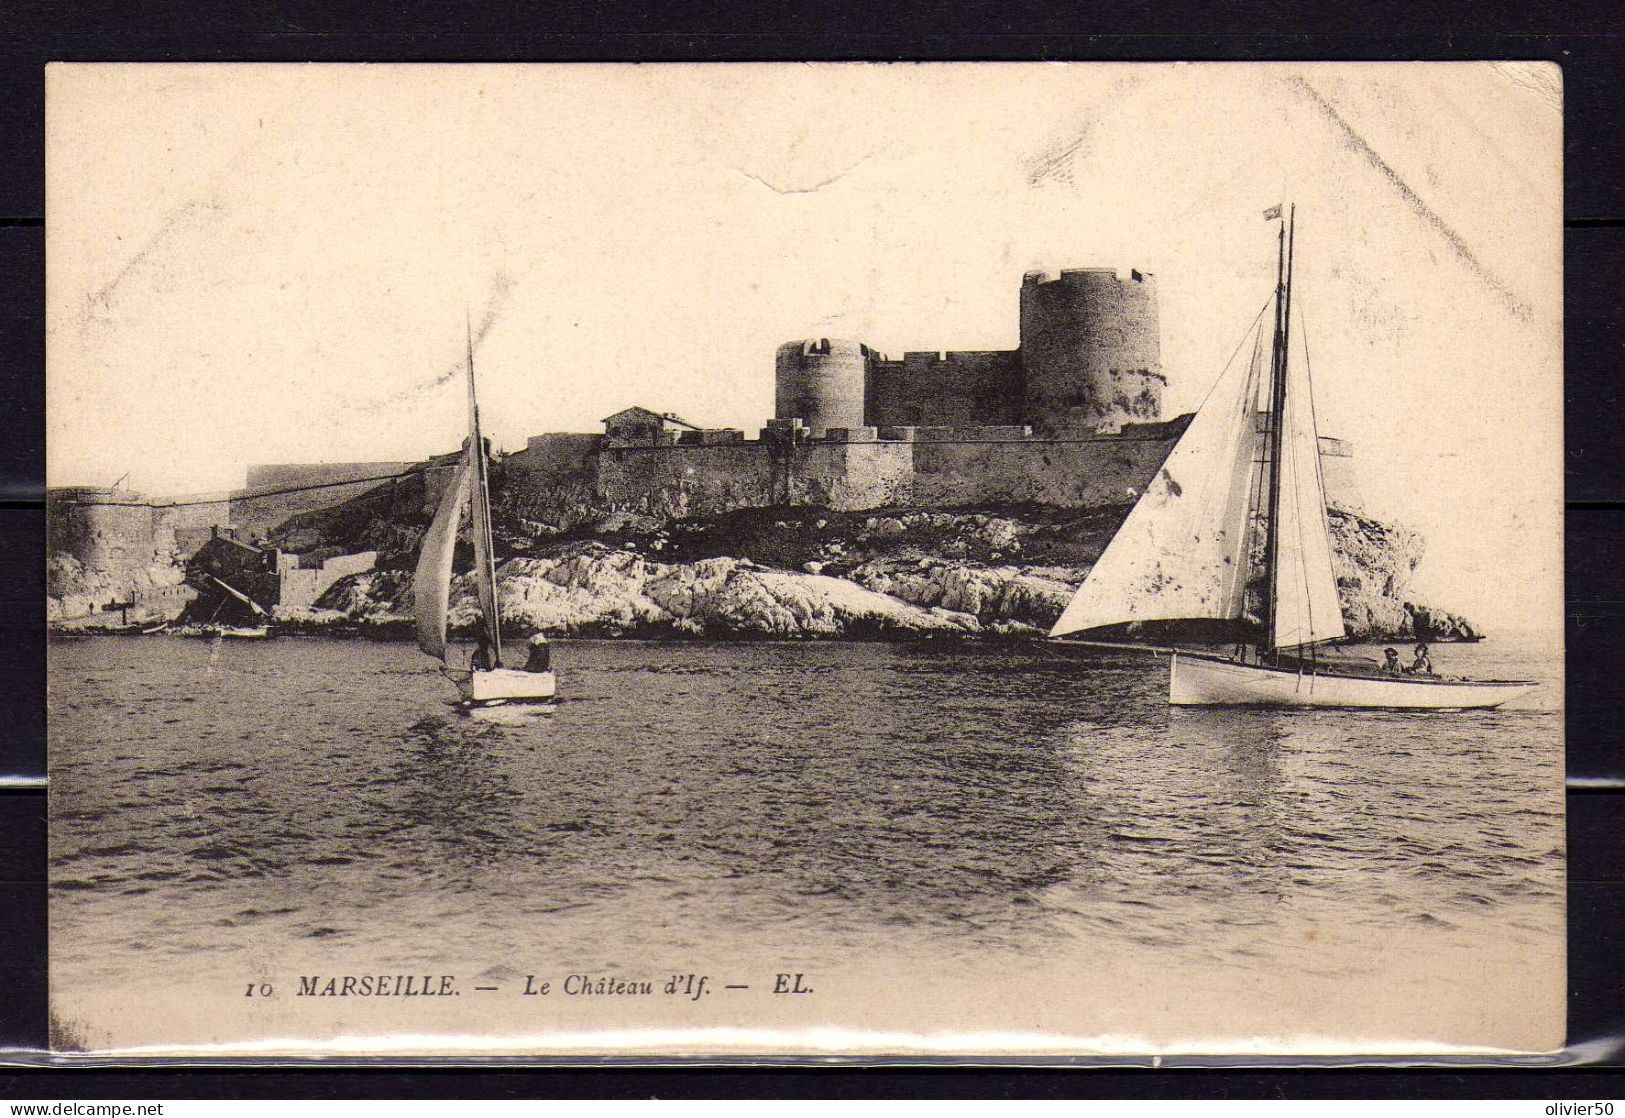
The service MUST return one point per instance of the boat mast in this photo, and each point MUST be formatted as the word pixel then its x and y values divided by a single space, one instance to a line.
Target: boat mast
pixel 1277 420
pixel 484 556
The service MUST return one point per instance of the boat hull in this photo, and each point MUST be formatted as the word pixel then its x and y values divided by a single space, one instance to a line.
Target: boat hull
pixel 505 685
pixel 213 632
pixel 1201 681
pixel 256 633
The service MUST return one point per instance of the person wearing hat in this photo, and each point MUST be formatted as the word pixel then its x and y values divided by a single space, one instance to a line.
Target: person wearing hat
pixel 1423 664
pixel 1390 661
pixel 541 656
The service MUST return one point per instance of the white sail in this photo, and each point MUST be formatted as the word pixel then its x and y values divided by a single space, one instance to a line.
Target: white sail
pixel 1182 552
pixel 1306 609
pixel 431 585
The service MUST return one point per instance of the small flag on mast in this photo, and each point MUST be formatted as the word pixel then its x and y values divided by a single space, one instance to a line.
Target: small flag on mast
pixel 1273 213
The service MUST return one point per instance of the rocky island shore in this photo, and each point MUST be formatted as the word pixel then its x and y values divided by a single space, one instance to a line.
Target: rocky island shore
pixel 570 566
pixel 796 573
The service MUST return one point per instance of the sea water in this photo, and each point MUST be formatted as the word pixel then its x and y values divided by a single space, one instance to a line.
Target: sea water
pixel 240 812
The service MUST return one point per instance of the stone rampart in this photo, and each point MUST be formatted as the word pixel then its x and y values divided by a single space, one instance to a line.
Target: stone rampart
pixel 937 389
pixel 276 492
pixel 684 481
pixel 300 586
pixel 866 468
pixel 1078 473
pixel 851 475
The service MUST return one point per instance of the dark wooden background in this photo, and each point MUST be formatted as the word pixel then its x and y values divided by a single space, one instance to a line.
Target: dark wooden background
pixel 1587 39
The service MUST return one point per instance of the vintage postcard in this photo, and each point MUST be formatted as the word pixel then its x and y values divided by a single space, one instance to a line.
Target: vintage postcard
pixel 801 560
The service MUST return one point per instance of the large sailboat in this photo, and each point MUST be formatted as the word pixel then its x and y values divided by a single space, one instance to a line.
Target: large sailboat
pixel 486 682
pixel 1242 493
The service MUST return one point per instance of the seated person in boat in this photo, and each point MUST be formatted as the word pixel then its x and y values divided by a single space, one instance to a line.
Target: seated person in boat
pixel 1390 661
pixel 1423 664
pixel 541 656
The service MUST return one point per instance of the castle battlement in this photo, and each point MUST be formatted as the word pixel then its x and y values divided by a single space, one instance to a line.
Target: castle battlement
pixel 1086 275
pixel 1089 359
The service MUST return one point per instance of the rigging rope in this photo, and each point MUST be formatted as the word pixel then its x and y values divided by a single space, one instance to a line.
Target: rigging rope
pixel 1257 318
pixel 256 494
pixel 1314 423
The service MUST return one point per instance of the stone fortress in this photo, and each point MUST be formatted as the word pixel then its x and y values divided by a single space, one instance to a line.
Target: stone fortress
pixel 1071 418
pixel 112 547
pixel 1089 360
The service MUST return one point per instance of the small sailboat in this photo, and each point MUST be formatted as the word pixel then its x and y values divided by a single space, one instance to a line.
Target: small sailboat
pixel 1240 491
pixel 257 627
pixel 486 682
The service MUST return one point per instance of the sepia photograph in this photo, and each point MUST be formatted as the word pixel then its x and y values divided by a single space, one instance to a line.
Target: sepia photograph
pixel 854 560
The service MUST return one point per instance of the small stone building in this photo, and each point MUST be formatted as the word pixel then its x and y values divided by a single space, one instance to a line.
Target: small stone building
pixel 641 427
pixel 266 576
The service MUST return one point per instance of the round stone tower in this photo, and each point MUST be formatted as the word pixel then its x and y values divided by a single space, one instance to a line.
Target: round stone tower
pixel 821 382
pixel 1091 351
pixel 105 529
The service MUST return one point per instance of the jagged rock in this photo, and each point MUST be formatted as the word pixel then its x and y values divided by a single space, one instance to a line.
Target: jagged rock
pixel 897 576
pixel 1430 624
pixel 1373 563
pixel 621 522
pixel 993 595
pixel 73 590
pixel 596 590
pixel 372 595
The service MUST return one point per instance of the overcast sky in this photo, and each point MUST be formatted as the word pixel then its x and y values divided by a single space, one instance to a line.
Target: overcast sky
pixel 252 264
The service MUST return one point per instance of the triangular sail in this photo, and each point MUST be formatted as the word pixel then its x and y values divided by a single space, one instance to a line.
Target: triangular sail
pixel 1306 608
pixel 431 585
pixel 1182 552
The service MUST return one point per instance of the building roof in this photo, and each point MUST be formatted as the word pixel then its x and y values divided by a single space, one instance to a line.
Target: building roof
pixel 231 542
pixel 646 414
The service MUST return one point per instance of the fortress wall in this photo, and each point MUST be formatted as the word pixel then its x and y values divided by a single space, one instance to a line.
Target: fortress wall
pixel 854 475
pixel 1338 474
pixel 706 481
pixel 1076 474
pixel 999 434
pixel 192 516
pixel 939 389
pixel 689 480
pixel 260 514
pixel 301 586
pixel 551 462
pixel 195 512
pixel 286 475
pixel 553 458
pixel 257 512
pixel 553 472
